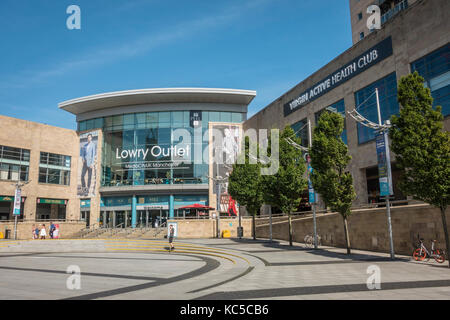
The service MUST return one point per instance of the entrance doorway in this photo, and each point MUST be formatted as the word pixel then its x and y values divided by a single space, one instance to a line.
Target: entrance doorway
pixel 86 216
pixel 151 218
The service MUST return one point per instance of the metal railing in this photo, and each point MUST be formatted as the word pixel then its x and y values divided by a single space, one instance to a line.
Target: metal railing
pixel 403 5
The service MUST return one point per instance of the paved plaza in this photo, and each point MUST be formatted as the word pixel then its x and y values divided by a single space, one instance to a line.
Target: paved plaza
pixel 200 269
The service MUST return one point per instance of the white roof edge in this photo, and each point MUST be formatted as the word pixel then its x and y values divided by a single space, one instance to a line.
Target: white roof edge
pixel 157 91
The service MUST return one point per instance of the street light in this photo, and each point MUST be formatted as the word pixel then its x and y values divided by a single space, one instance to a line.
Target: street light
pixel 306 150
pixel 381 129
pixel 17 202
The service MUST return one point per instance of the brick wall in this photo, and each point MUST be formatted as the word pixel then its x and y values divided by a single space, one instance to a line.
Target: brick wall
pixel 206 228
pixel 24 229
pixel 368 228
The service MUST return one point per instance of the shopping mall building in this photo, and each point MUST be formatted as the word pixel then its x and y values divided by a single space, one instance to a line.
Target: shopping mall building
pixel 414 36
pixel 140 155
pixel 136 157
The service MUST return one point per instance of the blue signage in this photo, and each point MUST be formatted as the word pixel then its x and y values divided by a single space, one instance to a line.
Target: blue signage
pixel 377 53
pixel 384 164
pixel 311 192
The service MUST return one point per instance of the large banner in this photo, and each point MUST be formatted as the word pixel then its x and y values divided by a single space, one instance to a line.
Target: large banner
pixel 227 145
pixel 87 164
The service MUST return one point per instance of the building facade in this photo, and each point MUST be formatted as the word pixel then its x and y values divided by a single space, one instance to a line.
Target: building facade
pixel 44 159
pixel 414 39
pixel 144 154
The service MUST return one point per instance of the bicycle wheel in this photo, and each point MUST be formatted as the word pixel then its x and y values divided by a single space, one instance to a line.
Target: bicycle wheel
pixel 439 256
pixel 419 254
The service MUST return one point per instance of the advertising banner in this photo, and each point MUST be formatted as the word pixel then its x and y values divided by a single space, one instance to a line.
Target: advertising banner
pixel 17 201
pixel 227 146
pixel 173 225
pixel 87 164
pixel 384 164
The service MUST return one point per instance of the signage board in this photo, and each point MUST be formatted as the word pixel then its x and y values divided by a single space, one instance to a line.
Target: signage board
pixel 17 201
pixel 195 118
pixel 174 225
pixel 311 192
pixel 384 164
pixel 51 201
pixel 369 58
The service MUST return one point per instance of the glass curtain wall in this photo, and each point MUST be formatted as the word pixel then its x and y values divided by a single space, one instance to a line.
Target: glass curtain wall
pixel 435 68
pixel 365 100
pixel 144 148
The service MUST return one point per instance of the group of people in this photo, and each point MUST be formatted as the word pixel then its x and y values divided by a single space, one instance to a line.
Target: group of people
pixel 41 232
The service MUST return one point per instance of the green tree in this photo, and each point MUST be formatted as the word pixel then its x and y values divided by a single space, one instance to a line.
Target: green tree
pixel 329 159
pixel 422 148
pixel 244 184
pixel 285 188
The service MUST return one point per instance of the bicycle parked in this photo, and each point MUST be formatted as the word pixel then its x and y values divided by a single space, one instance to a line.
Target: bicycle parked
pixel 421 252
pixel 309 241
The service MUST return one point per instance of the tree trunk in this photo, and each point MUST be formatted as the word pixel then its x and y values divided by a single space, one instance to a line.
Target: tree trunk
pixel 254 226
pixel 290 229
pixel 447 242
pixel 347 238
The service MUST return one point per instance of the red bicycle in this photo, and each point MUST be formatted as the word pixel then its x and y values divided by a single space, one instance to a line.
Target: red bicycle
pixel 421 252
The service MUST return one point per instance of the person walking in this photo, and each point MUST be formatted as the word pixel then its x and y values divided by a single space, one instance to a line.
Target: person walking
pixel 33 232
pixel 171 234
pixel 51 230
pixel 43 232
pixel 36 232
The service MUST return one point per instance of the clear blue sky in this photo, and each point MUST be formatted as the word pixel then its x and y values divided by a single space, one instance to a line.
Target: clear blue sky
pixel 263 45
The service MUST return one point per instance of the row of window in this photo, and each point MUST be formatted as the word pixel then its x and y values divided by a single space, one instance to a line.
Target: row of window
pixel 157 120
pixel 15 166
pixel 434 68
pixel 14 163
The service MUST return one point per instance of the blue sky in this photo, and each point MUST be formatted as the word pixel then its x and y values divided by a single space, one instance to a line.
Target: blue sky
pixel 263 45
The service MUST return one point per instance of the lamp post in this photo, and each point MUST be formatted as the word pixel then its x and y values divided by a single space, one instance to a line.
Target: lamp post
pixel 312 194
pixel 383 153
pixel 17 202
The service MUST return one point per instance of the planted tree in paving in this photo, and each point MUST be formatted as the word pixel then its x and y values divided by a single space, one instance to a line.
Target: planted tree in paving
pixel 329 159
pixel 244 184
pixel 285 188
pixel 422 148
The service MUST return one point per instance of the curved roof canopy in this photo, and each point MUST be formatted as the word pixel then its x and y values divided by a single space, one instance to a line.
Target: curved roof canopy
pixel 150 96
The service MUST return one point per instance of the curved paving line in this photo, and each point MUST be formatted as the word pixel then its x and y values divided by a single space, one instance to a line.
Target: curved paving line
pixel 249 269
pixel 178 251
pixel 210 265
pixel 187 247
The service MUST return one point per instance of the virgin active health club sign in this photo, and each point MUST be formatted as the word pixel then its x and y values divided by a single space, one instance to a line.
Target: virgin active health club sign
pixel 369 58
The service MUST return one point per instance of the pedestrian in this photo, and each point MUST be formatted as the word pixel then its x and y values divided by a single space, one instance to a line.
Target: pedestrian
pixel 51 230
pixel 43 232
pixel 171 234
pixel 33 232
pixel 36 232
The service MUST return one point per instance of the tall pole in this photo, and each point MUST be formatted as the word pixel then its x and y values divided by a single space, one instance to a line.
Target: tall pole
pixel 313 204
pixel 388 206
pixel 270 209
pixel 218 199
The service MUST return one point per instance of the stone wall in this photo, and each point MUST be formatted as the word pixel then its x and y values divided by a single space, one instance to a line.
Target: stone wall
pixel 207 228
pixel 24 229
pixel 368 228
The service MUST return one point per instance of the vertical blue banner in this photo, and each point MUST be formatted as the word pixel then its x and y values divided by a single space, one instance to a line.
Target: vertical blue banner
pixel 312 197
pixel 384 164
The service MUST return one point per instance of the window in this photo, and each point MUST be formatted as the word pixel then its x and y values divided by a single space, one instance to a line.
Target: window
pixel 54 168
pixel 236 117
pixel 14 163
pixel 435 69
pixel 366 103
pixel 301 130
pixel 361 36
pixel 360 16
pixel 338 107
